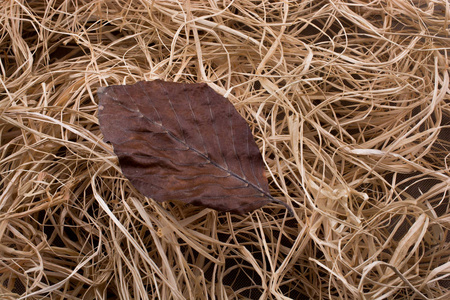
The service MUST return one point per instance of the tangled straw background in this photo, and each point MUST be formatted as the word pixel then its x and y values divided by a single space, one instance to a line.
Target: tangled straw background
pixel 348 101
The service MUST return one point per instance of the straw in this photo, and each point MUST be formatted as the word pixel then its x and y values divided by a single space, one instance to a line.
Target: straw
pixel 347 100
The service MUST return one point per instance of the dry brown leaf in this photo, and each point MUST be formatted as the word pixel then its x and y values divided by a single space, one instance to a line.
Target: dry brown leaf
pixel 184 142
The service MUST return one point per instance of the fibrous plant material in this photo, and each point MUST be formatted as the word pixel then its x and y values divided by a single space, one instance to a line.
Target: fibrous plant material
pixel 347 101
pixel 184 142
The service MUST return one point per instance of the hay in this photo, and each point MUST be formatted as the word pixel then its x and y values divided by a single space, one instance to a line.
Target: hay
pixel 348 100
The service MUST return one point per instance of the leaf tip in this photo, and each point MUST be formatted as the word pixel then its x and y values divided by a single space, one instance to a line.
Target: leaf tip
pixel 289 209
